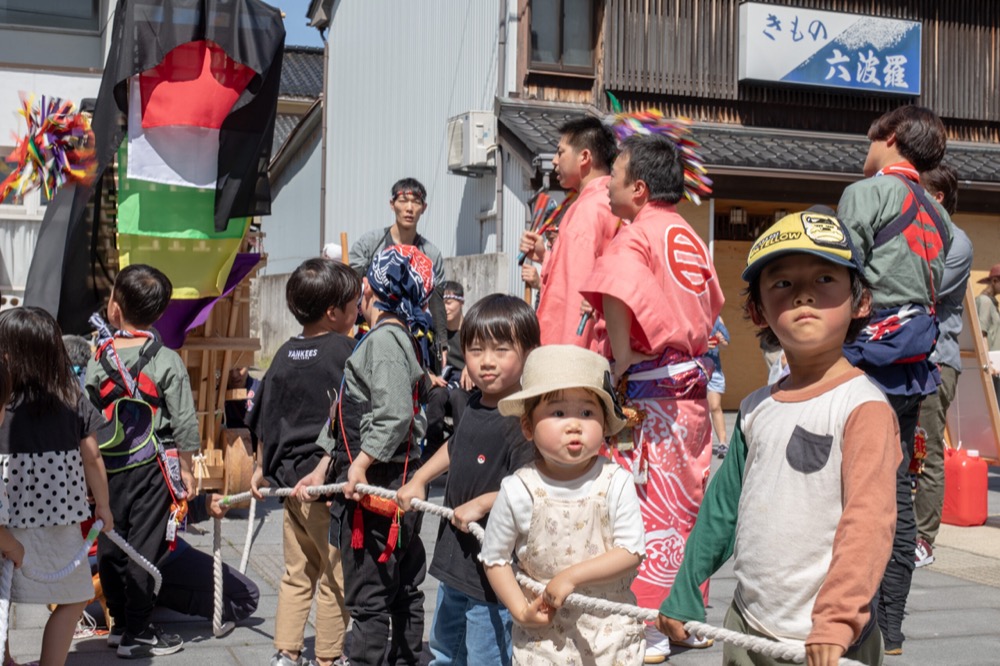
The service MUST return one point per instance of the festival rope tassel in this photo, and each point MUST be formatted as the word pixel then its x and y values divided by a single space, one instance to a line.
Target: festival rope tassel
pixel 764 646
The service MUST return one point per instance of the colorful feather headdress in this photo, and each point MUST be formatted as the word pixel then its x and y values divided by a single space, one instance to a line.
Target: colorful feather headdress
pixel 697 184
pixel 57 148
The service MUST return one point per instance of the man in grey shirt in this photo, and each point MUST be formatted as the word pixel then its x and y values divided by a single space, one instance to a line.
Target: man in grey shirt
pixel 408 203
pixel 942 184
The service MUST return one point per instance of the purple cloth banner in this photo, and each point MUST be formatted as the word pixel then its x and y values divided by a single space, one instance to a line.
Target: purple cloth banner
pixel 184 315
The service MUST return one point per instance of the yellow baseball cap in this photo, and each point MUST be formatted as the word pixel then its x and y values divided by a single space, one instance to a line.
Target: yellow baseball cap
pixel 807 232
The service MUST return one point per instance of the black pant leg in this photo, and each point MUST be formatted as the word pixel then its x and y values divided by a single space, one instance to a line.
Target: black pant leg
pixel 140 504
pixel 189 587
pixel 111 560
pixel 895 587
pixel 435 404
pixel 407 606
pixel 367 587
pixel 376 593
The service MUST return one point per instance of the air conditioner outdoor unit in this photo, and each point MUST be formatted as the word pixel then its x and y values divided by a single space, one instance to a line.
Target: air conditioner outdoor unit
pixel 472 138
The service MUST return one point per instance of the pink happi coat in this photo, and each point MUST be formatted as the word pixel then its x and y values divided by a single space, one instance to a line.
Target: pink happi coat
pixel 661 269
pixel 586 230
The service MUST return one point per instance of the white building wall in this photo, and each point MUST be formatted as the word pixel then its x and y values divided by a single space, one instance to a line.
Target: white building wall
pixel 397 71
pixel 292 229
pixel 74 86
pixel 54 63
pixel 516 192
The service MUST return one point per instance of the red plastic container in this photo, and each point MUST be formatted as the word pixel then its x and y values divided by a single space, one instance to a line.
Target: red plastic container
pixel 965 488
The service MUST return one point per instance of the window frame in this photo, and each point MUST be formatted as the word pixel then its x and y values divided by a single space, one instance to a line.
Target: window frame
pixel 559 69
pixel 98 5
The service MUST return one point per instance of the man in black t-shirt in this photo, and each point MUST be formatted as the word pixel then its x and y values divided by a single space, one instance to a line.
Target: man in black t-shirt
pixel 447 394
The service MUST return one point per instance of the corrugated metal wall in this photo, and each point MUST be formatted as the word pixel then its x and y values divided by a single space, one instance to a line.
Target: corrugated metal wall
pixel 398 70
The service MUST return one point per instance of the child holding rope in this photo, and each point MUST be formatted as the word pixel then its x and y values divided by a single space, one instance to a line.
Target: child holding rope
pixel 377 428
pixel 48 459
pixel 572 518
pixel 293 406
pixel 469 621
pixel 805 497
pixel 145 497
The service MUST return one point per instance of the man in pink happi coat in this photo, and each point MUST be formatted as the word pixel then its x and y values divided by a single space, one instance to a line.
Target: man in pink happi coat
pixel 582 163
pixel 659 295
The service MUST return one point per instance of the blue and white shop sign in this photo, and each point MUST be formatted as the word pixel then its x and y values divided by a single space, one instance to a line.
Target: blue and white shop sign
pixel 829 49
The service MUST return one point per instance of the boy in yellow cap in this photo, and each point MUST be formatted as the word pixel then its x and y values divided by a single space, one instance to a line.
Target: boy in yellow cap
pixel 806 495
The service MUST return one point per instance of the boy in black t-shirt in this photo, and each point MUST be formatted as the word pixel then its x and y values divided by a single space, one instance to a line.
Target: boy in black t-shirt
pixel 496 336
pixel 293 406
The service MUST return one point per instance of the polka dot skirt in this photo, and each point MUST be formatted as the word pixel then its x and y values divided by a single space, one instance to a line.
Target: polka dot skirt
pixel 45 488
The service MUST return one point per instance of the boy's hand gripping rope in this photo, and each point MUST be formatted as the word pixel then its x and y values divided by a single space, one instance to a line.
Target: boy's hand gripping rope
pixel 795 654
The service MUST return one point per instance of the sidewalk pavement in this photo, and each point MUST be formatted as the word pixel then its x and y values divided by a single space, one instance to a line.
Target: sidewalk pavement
pixel 953 613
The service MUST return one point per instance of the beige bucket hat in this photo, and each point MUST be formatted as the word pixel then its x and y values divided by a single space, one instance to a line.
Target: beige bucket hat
pixel 557 367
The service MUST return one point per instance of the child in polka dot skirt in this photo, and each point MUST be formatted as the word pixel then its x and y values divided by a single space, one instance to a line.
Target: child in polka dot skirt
pixel 48 459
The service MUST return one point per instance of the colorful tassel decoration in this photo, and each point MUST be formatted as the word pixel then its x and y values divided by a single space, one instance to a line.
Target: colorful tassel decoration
pixel 57 148
pixel 697 184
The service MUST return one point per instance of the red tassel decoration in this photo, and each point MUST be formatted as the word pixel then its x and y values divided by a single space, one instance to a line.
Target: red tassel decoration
pixel 390 544
pixel 357 530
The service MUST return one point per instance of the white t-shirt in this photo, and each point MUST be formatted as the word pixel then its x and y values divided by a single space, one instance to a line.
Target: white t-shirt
pixel 510 518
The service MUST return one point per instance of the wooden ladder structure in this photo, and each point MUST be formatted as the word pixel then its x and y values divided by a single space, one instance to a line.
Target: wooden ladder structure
pixel 210 352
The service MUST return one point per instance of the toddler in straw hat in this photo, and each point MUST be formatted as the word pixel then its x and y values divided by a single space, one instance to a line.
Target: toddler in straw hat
pixel 571 517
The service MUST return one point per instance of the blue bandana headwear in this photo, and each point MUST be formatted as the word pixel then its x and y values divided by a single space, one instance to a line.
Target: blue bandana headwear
pixel 402 278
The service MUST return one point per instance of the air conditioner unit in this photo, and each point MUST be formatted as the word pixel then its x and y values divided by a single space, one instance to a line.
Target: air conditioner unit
pixel 472 138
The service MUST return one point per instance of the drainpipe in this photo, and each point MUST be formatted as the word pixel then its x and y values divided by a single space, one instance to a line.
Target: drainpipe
pixel 322 177
pixel 501 89
pixel 498 205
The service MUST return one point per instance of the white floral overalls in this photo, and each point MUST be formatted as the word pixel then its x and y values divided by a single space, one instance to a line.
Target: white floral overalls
pixel 563 533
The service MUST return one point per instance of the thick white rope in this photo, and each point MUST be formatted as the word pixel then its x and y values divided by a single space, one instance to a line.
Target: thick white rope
pixel 764 646
pixel 6 580
pixel 137 557
pixel 217 578
pixel 245 559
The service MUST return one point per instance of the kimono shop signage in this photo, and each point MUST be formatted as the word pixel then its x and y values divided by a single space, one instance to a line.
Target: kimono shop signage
pixel 804 47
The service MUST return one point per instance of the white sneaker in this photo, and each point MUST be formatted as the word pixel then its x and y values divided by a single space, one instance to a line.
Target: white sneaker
pixel 924 554
pixel 657 646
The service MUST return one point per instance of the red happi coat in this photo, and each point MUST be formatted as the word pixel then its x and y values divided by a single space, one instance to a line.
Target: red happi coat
pixel 585 231
pixel 661 269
